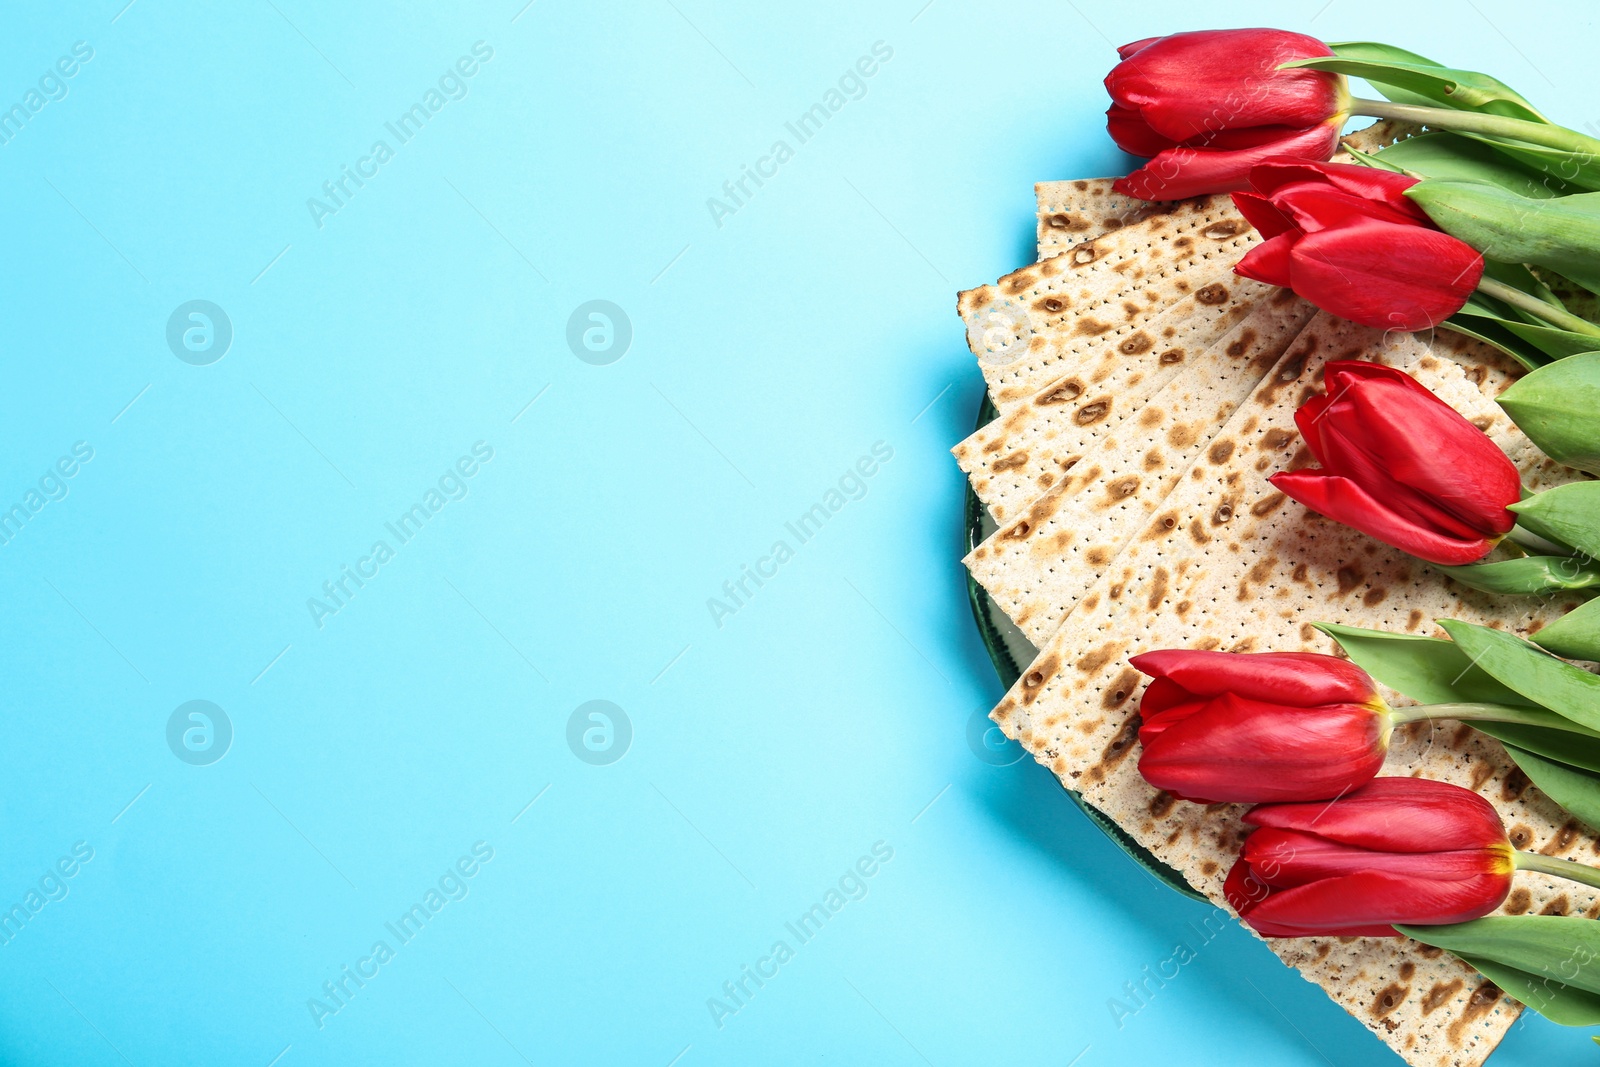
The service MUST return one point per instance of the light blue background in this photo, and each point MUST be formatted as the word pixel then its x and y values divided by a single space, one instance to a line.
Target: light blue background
pixel 768 754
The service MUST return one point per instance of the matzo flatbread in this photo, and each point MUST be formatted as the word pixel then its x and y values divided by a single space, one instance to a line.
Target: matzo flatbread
pixel 1076 211
pixel 1071 212
pixel 1028 355
pixel 1031 448
pixel 1229 562
pixel 1029 327
pixel 1038 564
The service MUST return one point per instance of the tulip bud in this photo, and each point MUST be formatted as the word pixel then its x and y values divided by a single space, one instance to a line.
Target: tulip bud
pixel 1397 850
pixel 1349 240
pixel 1401 465
pixel 1231 727
pixel 1209 104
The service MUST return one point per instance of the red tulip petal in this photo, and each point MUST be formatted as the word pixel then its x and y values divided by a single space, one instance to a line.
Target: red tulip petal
pixel 1263 215
pixel 1188 85
pixel 1396 815
pixel 1344 376
pixel 1236 750
pixel 1301 679
pixel 1268 261
pixel 1254 136
pixel 1283 859
pixel 1400 438
pixel 1318 206
pixel 1341 374
pixel 1183 172
pixel 1242 889
pixel 1151 729
pixel 1164 704
pixel 1269 929
pixel 1307 419
pixel 1346 502
pixel 1348 442
pixel 1386 276
pixel 1133 134
pixel 1161 695
pixel 1425 444
pixel 1128 50
pixel 1376 899
pixel 1369 183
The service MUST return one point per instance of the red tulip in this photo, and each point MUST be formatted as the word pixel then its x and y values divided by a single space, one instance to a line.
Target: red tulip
pixel 1347 239
pixel 1401 465
pixel 1398 850
pixel 1247 728
pixel 1210 104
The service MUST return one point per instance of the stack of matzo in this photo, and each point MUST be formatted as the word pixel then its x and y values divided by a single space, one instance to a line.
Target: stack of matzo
pixel 1145 395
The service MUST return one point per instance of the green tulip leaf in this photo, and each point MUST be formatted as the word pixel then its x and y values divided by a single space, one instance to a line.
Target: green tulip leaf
pixel 1488 328
pixel 1556 407
pixel 1526 669
pixel 1569 514
pixel 1528 575
pixel 1407 78
pixel 1378 52
pixel 1429 670
pixel 1532 346
pixel 1563 763
pixel 1562 233
pixel 1371 160
pixel 1553 341
pixel 1561 165
pixel 1557 952
pixel 1444 155
pixel 1576 635
pixel 1576 789
pixel 1577 751
pixel 1532 341
pixel 1563 1005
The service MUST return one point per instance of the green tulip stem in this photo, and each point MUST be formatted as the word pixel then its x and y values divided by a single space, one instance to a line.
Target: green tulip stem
pixel 1524 540
pixel 1467 712
pixel 1443 118
pixel 1534 306
pixel 1573 872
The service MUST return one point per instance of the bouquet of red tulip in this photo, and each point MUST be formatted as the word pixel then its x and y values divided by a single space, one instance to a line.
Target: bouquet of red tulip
pixel 1487 223
pixel 1189 469
pixel 1399 464
pixel 1351 869
pixel 1341 852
